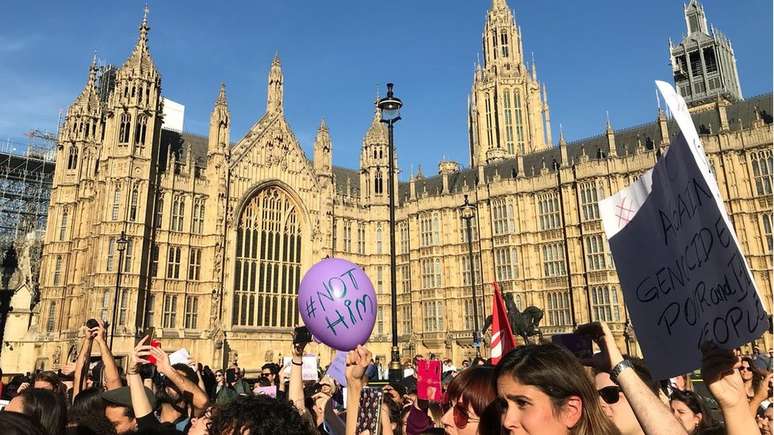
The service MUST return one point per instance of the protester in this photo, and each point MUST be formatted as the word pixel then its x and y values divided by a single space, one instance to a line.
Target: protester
pixel 689 409
pixel 259 415
pixel 722 377
pixel 87 414
pixel 747 374
pixel 763 418
pixel 14 423
pixel 652 415
pixel 180 397
pixel 546 391
pixel 44 407
pixel 468 398
pixel 201 425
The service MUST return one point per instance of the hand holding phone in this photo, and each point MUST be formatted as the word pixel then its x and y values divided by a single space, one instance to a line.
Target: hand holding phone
pixel 301 335
pixel 578 344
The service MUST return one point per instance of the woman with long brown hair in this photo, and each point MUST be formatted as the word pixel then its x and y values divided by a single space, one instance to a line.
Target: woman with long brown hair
pixel 545 390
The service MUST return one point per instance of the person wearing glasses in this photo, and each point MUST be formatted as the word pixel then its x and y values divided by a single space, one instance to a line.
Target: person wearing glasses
pixel 746 371
pixel 627 393
pixel 468 400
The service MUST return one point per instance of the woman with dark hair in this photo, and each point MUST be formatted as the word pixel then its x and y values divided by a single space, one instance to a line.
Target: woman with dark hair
pixel 87 414
pixel 43 406
pixel 689 409
pixel 546 391
pixel 14 423
pixel 468 399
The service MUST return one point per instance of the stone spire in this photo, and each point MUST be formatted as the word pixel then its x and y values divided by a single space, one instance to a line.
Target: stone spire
pixel 610 133
pixel 377 131
pixel 220 123
pixel 276 79
pixel 140 60
pixel 323 161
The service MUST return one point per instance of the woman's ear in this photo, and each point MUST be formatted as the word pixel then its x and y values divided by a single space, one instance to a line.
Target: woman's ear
pixel 572 411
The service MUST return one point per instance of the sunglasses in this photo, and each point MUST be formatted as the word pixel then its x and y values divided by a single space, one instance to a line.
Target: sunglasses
pixel 745 369
pixel 460 414
pixel 267 374
pixel 610 394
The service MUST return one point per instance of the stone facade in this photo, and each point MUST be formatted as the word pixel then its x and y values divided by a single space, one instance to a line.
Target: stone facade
pixel 220 233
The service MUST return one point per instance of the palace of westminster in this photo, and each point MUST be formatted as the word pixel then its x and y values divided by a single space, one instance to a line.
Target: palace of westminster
pixel 207 238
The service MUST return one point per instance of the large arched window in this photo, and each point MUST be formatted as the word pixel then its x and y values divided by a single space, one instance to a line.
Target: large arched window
pixel 268 261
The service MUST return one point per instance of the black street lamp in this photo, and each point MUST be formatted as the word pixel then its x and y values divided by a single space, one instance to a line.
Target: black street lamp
pixel 121 246
pixel 468 213
pixel 389 107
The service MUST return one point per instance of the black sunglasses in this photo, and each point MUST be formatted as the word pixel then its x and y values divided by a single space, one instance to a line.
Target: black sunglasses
pixel 610 394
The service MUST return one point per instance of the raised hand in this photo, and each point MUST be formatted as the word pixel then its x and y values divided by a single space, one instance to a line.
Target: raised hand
pixel 138 356
pixel 609 354
pixel 99 332
pixel 162 360
pixel 719 369
pixel 357 363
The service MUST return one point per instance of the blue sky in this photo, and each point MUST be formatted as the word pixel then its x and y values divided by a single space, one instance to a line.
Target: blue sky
pixel 594 57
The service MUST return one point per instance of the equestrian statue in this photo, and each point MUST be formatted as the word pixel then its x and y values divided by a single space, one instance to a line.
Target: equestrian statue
pixel 525 323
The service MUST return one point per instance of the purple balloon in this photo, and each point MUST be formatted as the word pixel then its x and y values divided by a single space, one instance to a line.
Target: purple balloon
pixel 338 303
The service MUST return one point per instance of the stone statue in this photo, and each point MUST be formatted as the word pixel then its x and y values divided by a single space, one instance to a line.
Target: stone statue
pixel 525 323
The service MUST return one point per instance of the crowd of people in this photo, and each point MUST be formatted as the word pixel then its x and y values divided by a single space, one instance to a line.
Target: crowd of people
pixel 534 389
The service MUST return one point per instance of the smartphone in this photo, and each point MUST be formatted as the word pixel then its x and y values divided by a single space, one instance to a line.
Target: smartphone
pixel 301 335
pixel 370 410
pixel 578 344
pixel 150 331
pixel 270 391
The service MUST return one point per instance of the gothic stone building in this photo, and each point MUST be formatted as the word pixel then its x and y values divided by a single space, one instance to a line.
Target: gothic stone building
pixel 219 232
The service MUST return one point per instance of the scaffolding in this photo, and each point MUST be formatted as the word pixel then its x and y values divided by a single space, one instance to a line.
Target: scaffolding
pixel 26 177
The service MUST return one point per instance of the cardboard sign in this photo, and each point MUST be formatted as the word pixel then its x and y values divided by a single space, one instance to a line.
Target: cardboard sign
pixel 429 380
pixel 684 278
pixel 308 369
pixel 337 369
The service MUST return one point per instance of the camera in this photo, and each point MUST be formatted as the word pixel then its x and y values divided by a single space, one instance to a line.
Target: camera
pixel 92 323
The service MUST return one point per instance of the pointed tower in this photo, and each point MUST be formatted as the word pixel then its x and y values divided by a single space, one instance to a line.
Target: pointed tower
pixel 703 63
pixel 276 79
pixel 374 162
pixel 220 124
pixel 323 158
pixel 610 134
pixel 80 134
pixel 506 114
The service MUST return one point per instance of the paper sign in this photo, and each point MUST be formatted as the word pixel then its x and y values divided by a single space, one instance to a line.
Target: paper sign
pixel 429 380
pixel 684 279
pixel 180 356
pixel 337 369
pixel 308 370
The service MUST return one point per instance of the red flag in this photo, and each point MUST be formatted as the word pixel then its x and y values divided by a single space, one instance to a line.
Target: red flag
pixel 502 335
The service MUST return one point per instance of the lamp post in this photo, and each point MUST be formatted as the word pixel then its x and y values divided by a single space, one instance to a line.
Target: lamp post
pixel 121 246
pixel 468 213
pixel 389 107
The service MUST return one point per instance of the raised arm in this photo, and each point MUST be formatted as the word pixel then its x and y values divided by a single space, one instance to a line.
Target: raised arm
pixel 654 417
pixel 357 363
pixel 296 387
pixel 112 378
pixel 199 397
pixel 761 394
pixel 140 404
pixel 719 369
pixel 82 362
